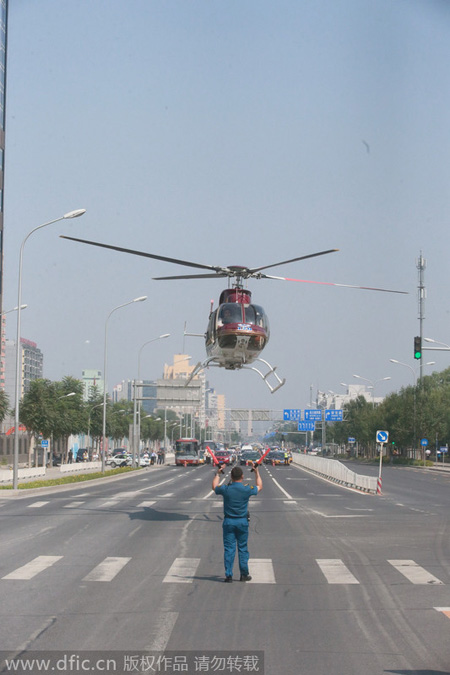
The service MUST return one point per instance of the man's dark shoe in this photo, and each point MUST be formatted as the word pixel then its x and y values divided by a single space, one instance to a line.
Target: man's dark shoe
pixel 245 577
pixel 228 580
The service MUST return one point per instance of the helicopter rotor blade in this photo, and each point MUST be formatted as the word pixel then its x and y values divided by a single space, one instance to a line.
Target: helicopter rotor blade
pixel 285 262
pixel 329 283
pixel 145 255
pixel 192 276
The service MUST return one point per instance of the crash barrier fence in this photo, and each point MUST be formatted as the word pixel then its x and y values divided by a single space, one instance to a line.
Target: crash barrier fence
pixel 79 466
pixel 7 474
pixel 337 472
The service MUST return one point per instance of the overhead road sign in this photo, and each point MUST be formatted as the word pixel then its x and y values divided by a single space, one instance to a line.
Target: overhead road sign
pixel 291 414
pixel 333 415
pixel 306 426
pixel 314 414
pixel 382 436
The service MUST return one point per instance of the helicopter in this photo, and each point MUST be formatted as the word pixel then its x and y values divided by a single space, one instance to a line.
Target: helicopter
pixel 238 330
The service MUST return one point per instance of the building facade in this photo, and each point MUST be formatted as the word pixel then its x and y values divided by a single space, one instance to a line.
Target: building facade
pixel 31 366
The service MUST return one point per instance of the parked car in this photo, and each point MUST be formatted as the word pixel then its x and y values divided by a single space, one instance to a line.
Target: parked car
pixel 144 459
pixel 121 459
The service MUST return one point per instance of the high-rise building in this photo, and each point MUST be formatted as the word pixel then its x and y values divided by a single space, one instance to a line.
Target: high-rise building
pixel 31 362
pixel 92 380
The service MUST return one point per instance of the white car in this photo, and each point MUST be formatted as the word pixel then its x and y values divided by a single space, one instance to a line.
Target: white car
pixel 121 459
pixel 144 460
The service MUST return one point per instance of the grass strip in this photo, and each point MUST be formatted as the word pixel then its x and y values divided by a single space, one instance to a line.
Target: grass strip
pixel 67 480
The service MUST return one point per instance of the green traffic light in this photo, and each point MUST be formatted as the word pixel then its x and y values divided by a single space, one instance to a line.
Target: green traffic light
pixel 418 355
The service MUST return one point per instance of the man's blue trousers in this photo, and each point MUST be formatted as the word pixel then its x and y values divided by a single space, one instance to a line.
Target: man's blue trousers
pixel 235 532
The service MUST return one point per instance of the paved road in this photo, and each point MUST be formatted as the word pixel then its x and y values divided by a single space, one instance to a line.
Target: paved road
pixel 343 583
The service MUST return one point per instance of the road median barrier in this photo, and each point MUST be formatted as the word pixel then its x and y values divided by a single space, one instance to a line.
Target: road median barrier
pixel 335 471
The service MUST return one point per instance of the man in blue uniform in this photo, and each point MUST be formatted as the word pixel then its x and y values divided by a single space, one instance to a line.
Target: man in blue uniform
pixel 235 522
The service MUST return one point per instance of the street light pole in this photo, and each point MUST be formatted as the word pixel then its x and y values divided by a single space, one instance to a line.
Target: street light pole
pixel 136 410
pixel 105 387
pixel 373 383
pixel 18 382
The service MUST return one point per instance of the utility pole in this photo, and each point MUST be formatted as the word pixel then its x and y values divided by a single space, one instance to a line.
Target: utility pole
pixel 421 264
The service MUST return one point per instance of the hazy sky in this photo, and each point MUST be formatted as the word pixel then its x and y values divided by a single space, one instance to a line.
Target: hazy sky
pixel 230 133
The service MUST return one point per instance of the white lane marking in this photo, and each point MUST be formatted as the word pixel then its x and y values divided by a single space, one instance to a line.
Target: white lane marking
pixel 349 508
pixel 127 495
pixel 211 492
pixel 85 494
pixel 414 573
pixel 73 505
pixel 336 572
pixel 164 628
pixel 343 515
pixel 147 504
pixel 182 571
pixel 32 568
pixel 37 505
pixel 168 494
pixel 107 569
pixel 217 504
pixel 289 478
pixel 112 502
pixel 261 571
pixel 291 501
pixel 281 488
pixel 185 503
pixel 136 529
pixel 198 479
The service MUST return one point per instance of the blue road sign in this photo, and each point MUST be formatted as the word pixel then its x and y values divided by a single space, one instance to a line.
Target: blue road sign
pixel 424 442
pixel 290 414
pixel 44 444
pixel 382 436
pixel 315 415
pixel 351 439
pixel 306 426
pixel 333 415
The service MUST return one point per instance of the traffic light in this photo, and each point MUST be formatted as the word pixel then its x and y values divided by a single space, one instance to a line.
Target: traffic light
pixel 417 347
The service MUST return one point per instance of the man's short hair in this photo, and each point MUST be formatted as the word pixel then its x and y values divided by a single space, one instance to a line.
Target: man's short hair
pixel 236 473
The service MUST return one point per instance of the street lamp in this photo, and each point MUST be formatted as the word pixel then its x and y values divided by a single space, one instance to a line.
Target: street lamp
pixel 130 302
pixel 373 383
pixel 67 216
pixel 136 411
pixel 444 348
pixel 14 309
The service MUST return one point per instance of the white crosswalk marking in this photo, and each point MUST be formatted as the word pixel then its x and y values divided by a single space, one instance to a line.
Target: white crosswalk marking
pixel 107 569
pixel 73 505
pixel 261 571
pixel 111 502
pixel 147 504
pixel 36 505
pixel 414 573
pixel 182 571
pixel 32 568
pixel 336 572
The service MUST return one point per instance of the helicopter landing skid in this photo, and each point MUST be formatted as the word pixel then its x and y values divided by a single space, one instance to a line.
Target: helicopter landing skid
pixel 271 371
pixel 210 362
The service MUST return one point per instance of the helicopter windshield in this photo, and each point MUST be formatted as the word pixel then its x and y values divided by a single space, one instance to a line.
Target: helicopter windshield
pixel 230 312
pixel 256 315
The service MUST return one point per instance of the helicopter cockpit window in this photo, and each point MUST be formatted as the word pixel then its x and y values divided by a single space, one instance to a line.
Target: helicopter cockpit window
pixel 230 312
pixel 256 315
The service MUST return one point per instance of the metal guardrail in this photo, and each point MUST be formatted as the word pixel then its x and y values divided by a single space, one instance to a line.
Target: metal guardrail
pixel 337 472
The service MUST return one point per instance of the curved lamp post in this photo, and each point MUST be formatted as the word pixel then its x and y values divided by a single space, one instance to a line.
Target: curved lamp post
pixel 66 216
pixel 136 410
pixel 105 388
pixel 373 383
